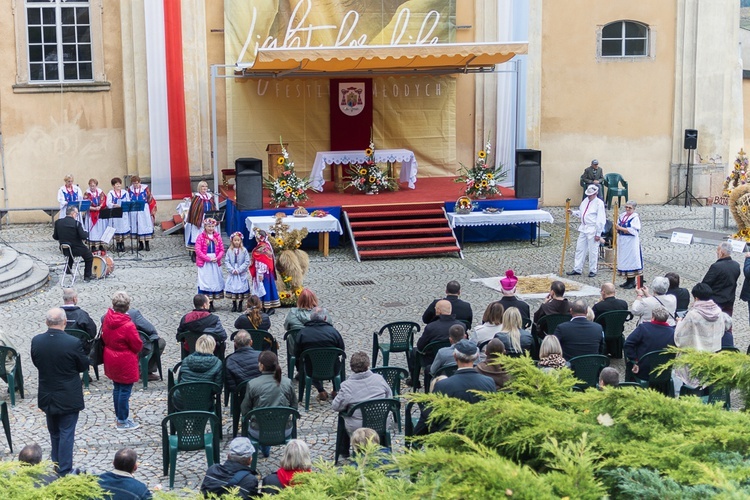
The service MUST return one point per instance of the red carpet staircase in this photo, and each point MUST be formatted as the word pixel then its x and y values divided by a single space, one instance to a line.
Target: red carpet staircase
pixel 393 231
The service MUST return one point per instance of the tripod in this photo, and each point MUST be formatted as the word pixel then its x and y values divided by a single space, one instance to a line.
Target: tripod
pixel 689 198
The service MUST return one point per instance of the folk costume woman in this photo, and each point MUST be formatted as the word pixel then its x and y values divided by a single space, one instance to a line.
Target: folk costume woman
pixel 94 225
pixel 629 255
pixel 263 271
pixel 141 223
pixel 69 193
pixel 237 262
pixel 121 224
pixel 209 250
pixel 201 203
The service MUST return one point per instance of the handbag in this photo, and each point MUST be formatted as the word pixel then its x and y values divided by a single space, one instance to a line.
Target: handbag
pixel 96 356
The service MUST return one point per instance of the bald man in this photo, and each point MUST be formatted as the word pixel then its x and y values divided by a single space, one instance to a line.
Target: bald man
pixel 438 329
pixel 609 302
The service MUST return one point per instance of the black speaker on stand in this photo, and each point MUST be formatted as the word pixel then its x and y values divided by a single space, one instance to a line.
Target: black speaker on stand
pixel 528 173
pixel 249 183
pixel 690 143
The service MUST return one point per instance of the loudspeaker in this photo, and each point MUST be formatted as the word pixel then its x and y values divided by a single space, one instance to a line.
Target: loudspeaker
pixel 691 138
pixel 249 183
pixel 528 173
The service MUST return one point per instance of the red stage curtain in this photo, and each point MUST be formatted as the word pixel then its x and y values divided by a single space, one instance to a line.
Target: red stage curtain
pixel 351 114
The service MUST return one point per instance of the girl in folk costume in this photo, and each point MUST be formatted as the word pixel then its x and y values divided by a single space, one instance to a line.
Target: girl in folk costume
pixel 237 260
pixel 94 225
pixel 141 223
pixel 629 255
pixel 69 193
pixel 262 269
pixel 121 224
pixel 202 202
pixel 209 249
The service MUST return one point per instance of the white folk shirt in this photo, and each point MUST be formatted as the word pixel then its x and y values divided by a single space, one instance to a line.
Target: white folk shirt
pixel 593 215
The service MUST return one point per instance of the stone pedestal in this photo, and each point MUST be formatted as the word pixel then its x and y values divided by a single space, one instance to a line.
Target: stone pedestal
pixel 706 180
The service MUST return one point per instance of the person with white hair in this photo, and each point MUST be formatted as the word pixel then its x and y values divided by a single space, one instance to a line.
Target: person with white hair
pixel 649 299
pixel 722 277
pixel 593 215
pixel 629 254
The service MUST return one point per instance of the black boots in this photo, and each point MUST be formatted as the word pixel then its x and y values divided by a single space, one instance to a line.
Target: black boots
pixel 120 246
pixel 140 246
pixel 211 306
pixel 234 306
pixel 192 256
pixel 239 307
pixel 629 283
pixel 148 248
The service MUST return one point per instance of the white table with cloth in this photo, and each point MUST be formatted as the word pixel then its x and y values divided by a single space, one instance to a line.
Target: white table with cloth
pixel 506 217
pixel 324 225
pixel 390 156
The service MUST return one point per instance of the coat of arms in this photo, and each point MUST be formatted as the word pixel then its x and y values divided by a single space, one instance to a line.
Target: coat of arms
pixel 352 100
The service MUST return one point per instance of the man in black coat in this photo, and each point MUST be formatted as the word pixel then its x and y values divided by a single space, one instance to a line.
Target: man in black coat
pixel 242 364
pixel 201 320
pixel 318 333
pixel 461 309
pixel 609 302
pixel 722 277
pixel 439 329
pixel 77 317
pixel 648 337
pixel 579 336
pixel 555 303
pixel 235 472
pixel 69 230
pixel 59 357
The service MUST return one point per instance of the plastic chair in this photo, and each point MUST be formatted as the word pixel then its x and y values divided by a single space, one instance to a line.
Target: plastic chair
pixel 195 396
pixel 430 350
pixel 623 385
pixel 6 423
pixel 613 324
pixel 718 396
pixel 262 340
pixel 143 361
pixel 446 370
pixel 393 375
pixel 323 365
pixel 290 337
pixel 612 181
pixel 235 405
pixel 374 416
pixel 14 378
pixel 661 382
pixel 84 337
pixel 548 323
pixel 400 339
pixel 67 252
pixel 272 425
pixel 188 433
pixel 191 338
pixel 410 421
pixel 587 367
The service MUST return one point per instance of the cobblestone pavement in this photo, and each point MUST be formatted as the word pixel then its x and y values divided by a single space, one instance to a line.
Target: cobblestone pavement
pixel 162 285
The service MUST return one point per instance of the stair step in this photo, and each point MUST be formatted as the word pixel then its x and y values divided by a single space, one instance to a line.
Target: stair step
pixel 438 212
pixel 405 242
pixel 402 232
pixel 36 279
pixel 394 252
pixel 8 259
pixel 177 219
pixel 23 268
pixel 358 209
pixel 167 224
pixel 400 222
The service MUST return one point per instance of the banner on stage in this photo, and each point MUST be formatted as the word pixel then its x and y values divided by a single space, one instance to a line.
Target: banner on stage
pixel 681 238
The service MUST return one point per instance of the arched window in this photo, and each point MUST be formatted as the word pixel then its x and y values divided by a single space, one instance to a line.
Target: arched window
pixel 625 39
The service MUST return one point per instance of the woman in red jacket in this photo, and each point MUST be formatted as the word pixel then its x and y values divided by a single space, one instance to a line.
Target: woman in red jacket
pixel 122 346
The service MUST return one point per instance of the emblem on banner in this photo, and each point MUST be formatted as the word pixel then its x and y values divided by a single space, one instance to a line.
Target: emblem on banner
pixel 352 98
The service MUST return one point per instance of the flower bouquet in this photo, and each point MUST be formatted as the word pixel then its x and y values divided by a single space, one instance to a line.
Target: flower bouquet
pixel 291 262
pixel 368 177
pixel 738 175
pixel 289 188
pixel 481 180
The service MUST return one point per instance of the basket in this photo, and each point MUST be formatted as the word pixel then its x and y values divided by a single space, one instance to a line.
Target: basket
pixel 464 205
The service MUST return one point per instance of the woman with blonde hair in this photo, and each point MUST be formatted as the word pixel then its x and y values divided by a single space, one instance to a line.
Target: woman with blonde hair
pixel 514 337
pixel 202 365
pixel 550 354
pixel 201 202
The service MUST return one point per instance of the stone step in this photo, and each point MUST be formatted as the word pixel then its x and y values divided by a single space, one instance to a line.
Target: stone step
pixel 22 268
pixel 36 278
pixel 8 259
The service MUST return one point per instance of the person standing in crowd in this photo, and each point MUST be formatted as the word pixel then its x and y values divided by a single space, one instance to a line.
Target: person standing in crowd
pixel 59 357
pixel 120 483
pixel 262 270
pixel 69 230
pixel 141 223
pixel 94 225
pixel 629 253
pixel 722 277
pixel 593 215
pixel 122 345
pixel 115 198
pixel 209 250
pixel 201 203
pixel 68 194
pixel 237 260
pixel 594 175
pixel 461 309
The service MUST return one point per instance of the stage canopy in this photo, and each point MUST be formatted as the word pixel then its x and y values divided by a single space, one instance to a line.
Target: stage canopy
pixel 433 59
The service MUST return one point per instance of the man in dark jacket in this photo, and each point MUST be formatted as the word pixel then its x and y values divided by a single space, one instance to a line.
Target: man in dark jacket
pixel 200 320
pixel 681 294
pixel 145 326
pixel 120 483
pixel 318 333
pixel 555 303
pixel 242 364
pixel 69 230
pixel 609 302
pixel 461 309
pixel 59 357
pixel 438 330
pixel 648 337
pixel 77 317
pixel 579 336
pixel 722 277
pixel 509 299
pixel 235 472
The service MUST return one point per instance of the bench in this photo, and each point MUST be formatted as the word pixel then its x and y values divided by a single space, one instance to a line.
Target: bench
pixel 51 211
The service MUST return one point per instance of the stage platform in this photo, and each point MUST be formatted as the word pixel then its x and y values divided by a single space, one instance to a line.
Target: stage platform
pixel 433 189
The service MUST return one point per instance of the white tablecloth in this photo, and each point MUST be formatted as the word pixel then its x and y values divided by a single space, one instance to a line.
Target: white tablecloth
pixel 403 156
pixel 504 218
pixel 327 224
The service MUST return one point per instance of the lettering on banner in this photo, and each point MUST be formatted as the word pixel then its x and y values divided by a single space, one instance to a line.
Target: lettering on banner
pixel 681 238
pixel 720 200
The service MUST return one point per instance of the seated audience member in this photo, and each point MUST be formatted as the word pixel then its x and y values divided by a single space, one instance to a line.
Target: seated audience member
pixel 298 316
pixel 492 322
pixel 609 377
pixel 202 365
pixel 253 318
pixel 461 309
pixel 242 364
pixel 579 336
pixel 200 320
pixel 609 302
pixel 551 355
pixel 234 472
pixel 444 356
pixel 31 454
pixel 681 294
pixel 363 437
pixel 647 300
pixel 145 326
pixel 77 317
pixel 437 330
pixel 648 337
pixel 296 460
pixel 555 303
pixel 120 483
pixel 318 332
pixel 515 339
pixel 492 367
pixel 509 299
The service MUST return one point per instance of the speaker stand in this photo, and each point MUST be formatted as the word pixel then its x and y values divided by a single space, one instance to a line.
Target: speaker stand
pixel 689 198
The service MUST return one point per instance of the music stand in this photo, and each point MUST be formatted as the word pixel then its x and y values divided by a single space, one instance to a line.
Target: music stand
pixel 83 205
pixel 134 206
pixel 108 214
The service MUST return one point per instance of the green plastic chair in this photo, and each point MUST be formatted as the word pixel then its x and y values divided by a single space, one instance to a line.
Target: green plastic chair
pixel 547 324
pixel 323 363
pixel 262 340
pixel 400 339
pixel 290 337
pixel 624 385
pixel 446 370
pixel 410 422
pixel 14 378
pixel 661 382
pixel 586 368
pixel 188 434
pixel 612 181
pixel 613 324
pixel 235 405
pixel 374 416
pixel 272 424
pixel 393 375
pixel 144 360
pixel 84 337
pixel 430 350
pixel 195 396
pixel 718 396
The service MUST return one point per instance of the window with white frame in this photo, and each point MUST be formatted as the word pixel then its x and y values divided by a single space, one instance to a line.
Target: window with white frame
pixel 624 39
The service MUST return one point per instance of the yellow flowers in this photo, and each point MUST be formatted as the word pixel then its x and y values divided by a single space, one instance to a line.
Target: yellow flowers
pixel 483 184
pixel 362 171
pixel 482 154
pixel 297 292
pixel 280 241
pixel 282 183
pixel 490 175
pixel 283 295
pixel 287 279
pixel 280 160
pixel 368 152
pixel 288 189
pixel 372 179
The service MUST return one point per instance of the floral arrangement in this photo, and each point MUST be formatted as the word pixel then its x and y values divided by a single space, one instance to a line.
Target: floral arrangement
pixel 483 178
pixel 738 175
pixel 368 177
pixel 288 188
pixel 283 239
pixel 464 205
pixel 286 245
